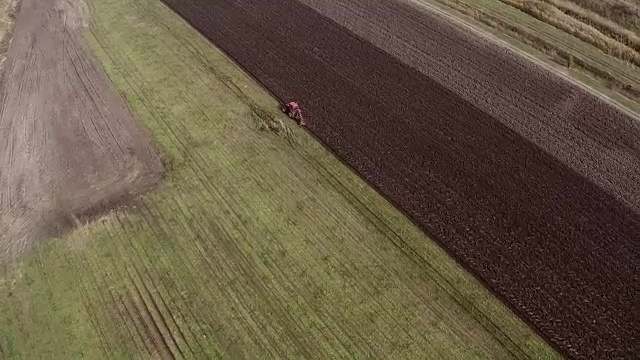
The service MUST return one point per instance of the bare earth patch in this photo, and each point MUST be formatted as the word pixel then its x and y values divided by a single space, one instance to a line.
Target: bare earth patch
pixel 69 146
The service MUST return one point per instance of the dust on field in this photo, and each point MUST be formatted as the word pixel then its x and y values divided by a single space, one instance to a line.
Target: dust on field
pixel 70 148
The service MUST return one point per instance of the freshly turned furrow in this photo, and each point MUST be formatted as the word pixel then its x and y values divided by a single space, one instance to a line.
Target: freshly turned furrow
pixel 559 249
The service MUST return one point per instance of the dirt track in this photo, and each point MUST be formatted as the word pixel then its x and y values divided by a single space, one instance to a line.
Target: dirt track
pixel 69 147
pixel 559 248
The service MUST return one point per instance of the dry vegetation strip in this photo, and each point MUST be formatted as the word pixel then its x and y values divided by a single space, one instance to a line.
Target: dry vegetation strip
pixel 561 56
pixel 605 25
pixel 551 14
pixel 609 27
pixel 623 12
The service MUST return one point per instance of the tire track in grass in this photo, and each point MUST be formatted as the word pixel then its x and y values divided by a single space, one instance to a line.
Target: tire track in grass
pixel 226 200
pixel 103 280
pixel 185 229
pixel 231 197
pixel 152 224
pixel 81 263
pixel 166 326
pixel 132 316
pixel 168 282
pixel 225 291
pixel 282 282
pixel 157 343
pixel 130 304
pixel 134 304
pixel 233 249
pixel 174 314
pixel 150 305
pixel 156 328
pixel 174 208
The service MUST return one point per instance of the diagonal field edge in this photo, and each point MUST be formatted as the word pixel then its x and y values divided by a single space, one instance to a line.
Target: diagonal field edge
pixel 559 249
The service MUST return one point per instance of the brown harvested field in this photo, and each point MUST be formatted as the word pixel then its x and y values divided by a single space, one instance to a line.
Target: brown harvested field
pixel 527 179
pixel 69 145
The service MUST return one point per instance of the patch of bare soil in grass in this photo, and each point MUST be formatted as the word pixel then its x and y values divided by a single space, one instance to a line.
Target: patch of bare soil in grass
pixel 69 146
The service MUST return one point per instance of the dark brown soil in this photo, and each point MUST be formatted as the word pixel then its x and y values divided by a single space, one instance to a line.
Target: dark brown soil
pixel 69 147
pixel 557 247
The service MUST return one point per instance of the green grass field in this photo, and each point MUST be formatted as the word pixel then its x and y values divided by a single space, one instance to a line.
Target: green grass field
pixel 255 245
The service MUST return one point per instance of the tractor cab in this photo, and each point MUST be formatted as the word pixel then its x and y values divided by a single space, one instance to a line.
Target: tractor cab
pixel 292 109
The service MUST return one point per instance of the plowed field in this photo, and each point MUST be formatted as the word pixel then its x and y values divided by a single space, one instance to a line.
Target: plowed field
pixel 69 147
pixel 561 250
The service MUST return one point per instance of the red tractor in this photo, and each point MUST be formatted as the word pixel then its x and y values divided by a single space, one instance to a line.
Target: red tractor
pixel 293 111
